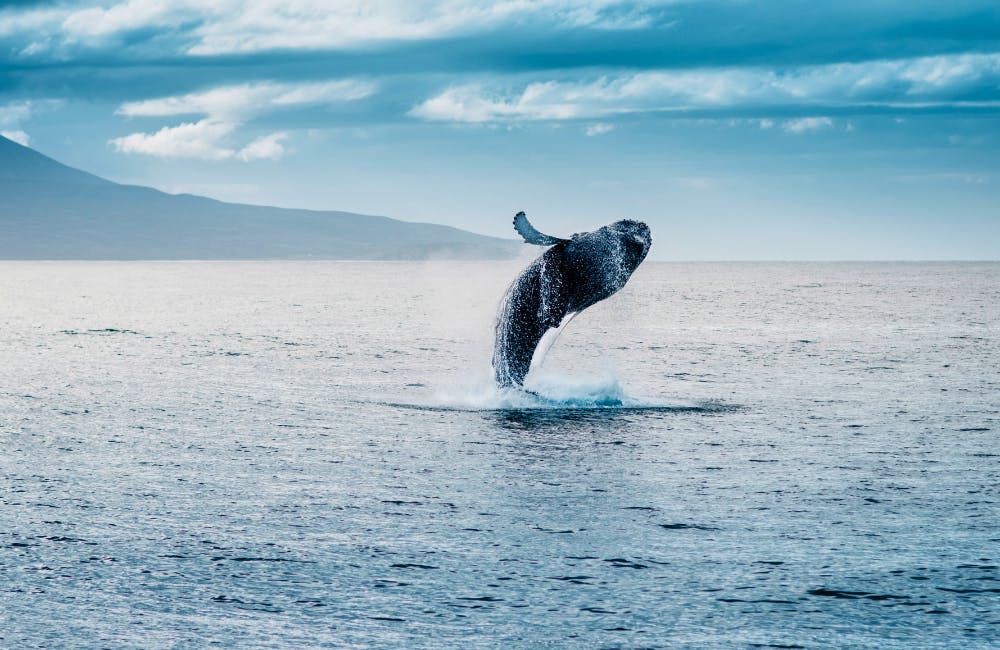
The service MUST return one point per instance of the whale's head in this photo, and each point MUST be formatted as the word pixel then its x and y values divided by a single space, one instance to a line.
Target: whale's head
pixel 602 261
pixel 635 240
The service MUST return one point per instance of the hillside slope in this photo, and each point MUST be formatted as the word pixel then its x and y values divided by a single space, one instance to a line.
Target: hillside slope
pixel 51 211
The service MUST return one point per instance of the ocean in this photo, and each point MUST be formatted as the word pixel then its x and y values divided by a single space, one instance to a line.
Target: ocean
pixel 311 454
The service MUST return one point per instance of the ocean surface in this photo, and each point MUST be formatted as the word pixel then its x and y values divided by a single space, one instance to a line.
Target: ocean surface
pixel 288 455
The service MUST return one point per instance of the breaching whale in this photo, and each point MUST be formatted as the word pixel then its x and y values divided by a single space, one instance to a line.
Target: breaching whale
pixel 566 279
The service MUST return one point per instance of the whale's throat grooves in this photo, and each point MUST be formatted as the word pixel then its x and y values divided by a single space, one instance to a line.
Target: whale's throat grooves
pixel 548 340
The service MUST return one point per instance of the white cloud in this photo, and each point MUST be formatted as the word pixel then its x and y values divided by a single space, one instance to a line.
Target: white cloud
pixel 906 82
pixel 268 147
pixel 203 140
pixel 235 26
pixel 56 31
pixel 19 137
pixel 599 129
pixel 313 24
pixel 28 21
pixel 465 104
pixel 239 101
pixel 549 100
pixel 804 124
pixel 14 113
pixel 123 17
pixel 226 108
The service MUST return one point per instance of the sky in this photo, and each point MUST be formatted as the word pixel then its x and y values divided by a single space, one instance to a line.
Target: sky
pixel 737 130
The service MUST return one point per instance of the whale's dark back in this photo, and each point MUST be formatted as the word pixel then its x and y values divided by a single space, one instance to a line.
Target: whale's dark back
pixel 565 279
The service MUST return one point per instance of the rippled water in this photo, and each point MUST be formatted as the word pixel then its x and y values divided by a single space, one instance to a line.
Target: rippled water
pixel 310 454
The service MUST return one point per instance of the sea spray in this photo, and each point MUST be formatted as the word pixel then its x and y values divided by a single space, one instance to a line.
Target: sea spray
pixel 546 389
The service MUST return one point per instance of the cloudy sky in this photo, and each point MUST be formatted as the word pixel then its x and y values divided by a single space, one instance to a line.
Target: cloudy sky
pixel 736 129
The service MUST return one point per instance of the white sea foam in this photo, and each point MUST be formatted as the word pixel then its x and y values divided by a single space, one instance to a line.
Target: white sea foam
pixel 545 389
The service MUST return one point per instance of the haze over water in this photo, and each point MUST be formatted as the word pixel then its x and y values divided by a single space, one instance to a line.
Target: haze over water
pixel 278 454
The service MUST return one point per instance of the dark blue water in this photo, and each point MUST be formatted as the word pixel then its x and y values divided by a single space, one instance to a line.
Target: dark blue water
pixel 289 455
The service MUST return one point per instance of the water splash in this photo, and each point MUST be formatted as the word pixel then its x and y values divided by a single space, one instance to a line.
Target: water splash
pixel 552 391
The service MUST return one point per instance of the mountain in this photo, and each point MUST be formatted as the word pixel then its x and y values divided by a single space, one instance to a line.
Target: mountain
pixel 51 211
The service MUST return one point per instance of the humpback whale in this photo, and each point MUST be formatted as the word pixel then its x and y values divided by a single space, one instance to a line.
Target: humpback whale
pixel 570 276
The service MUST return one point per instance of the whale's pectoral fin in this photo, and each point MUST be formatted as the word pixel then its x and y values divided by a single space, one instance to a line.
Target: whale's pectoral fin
pixel 532 236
